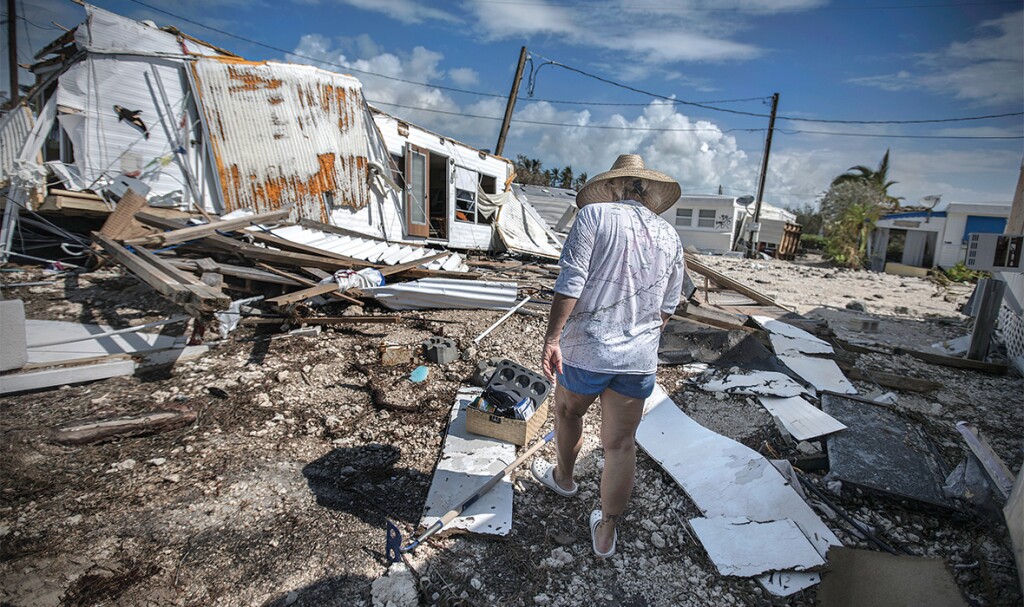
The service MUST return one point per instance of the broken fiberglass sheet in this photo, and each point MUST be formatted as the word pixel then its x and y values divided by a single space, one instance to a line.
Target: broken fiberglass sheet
pixel 787 339
pixel 822 373
pixel 523 231
pixel 746 548
pixel 724 477
pixel 467 462
pixel 446 293
pixel 801 419
pixel 881 450
pixel 760 383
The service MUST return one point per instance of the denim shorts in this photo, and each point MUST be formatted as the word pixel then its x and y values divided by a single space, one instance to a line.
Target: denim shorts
pixel 580 381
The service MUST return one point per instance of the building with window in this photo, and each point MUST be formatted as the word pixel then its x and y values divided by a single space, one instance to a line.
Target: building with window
pixel 714 224
pixel 936 237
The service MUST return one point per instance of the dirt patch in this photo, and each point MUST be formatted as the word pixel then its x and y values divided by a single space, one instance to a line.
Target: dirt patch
pixel 278 493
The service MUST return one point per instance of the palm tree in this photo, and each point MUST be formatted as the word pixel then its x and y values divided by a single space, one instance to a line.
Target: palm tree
pixel 879 178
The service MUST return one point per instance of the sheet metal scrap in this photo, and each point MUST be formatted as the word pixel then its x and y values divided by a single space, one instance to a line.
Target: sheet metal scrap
pixel 881 450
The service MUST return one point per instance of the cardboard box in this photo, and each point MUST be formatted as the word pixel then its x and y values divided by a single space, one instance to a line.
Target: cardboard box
pixel 515 431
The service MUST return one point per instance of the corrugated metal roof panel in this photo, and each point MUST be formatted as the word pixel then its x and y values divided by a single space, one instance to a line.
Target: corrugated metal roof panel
pixel 523 231
pixel 367 249
pixel 286 134
pixel 14 129
pixel 107 32
pixel 446 293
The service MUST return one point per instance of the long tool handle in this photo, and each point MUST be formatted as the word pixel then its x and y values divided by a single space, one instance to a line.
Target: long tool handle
pixel 469 501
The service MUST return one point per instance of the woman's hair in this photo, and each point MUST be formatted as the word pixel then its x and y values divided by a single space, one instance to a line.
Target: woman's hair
pixel 629 188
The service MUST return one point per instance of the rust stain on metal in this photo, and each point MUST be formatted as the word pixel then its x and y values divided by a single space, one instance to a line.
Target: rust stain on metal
pixel 277 191
pixel 250 81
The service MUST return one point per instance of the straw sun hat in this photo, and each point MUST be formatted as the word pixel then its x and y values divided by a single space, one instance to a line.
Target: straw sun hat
pixel 660 190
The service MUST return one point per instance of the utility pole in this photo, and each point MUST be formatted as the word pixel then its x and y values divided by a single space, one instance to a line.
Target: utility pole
pixel 764 173
pixel 12 51
pixel 511 101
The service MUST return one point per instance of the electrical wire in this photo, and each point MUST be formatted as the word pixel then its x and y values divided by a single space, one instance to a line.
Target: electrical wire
pixel 703 105
pixel 886 136
pixel 743 9
pixel 706 106
pixel 563 124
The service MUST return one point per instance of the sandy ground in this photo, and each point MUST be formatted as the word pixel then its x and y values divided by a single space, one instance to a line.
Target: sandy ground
pixel 279 493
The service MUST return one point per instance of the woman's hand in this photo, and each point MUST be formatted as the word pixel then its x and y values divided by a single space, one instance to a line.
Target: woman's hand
pixel 551 359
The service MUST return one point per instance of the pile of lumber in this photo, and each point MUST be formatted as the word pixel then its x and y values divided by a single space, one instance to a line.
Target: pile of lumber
pixel 204 267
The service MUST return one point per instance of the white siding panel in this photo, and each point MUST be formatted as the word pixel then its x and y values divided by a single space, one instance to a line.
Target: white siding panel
pixel 14 129
pixel 105 146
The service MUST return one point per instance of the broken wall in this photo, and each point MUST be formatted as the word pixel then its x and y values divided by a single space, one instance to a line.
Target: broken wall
pixel 285 134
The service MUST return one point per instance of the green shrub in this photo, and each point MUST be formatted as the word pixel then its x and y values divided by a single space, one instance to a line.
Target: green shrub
pixel 961 273
pixel 812 242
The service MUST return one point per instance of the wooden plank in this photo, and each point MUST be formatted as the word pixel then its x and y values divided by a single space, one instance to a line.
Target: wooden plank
pixel 47 378
pixel 311 284
pixel 343 320
pixel 159 281
pixel 951 361
pixel 200 231
pixel 236 271
pixel 206 297
pixel 890 380
pixel 409 265
pixel 323 227
pixel 712 317
pixel 89 431
pixel 415 273
pixel 290 298
pixel 722 280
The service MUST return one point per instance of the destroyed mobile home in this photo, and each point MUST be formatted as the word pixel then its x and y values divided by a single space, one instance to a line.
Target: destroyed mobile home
pixel 257 362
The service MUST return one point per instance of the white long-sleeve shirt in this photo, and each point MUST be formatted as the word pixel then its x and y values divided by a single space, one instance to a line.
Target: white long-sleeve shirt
pixel 624 265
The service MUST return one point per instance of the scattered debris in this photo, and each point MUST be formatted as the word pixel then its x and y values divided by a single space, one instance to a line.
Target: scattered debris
pixel 801 419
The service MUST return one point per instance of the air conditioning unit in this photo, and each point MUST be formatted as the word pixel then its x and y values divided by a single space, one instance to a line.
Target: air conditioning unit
pixel 995 252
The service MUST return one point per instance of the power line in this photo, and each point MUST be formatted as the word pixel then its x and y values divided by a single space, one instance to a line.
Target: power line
pixel 560 124
pixel 557 64
pixel 886 136
pixel 610 103
pixel 743 9
pixel 753 114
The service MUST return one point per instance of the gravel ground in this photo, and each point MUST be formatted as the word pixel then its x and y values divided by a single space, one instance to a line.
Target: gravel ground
pixel 279 492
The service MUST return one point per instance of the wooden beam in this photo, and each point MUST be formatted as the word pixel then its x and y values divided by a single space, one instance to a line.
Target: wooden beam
pixel 952 361
pixel 890 380
pixel 236 271
pixel 150 275
pixel 409 265
pixel 343 320
pixel 310 283
pixel 296 296
pixel 724 281
pixel 200 231
pixel 205 296
pixel 323 227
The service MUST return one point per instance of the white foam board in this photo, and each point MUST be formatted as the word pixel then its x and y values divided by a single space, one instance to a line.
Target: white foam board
pixel 768 383
pixel 745 548
pixel 467 462
pixel 801 419
pixel 822 373
pixel 724 478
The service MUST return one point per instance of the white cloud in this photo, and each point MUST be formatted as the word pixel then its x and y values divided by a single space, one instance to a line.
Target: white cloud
pixel 464 76
pixel 987 69
pixel 701 154
pixel 406 11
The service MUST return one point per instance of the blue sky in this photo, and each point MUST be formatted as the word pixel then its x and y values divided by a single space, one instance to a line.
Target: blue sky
pixel 881 60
